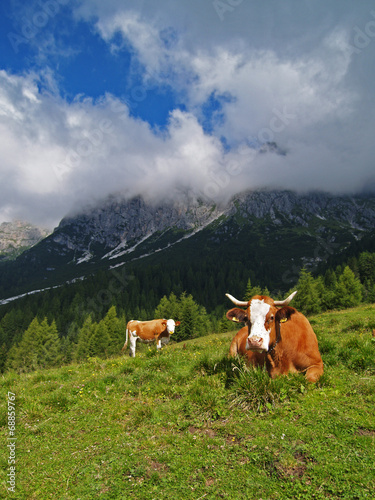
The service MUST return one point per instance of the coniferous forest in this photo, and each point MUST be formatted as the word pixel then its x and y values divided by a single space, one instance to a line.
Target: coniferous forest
pixel 88 318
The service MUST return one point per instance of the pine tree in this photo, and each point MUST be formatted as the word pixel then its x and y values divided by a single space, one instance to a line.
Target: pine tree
pixel 224 325
pixel 50 345
pixel 84 349
pixel 307 299
pixel 116 331
pixel 266 292
pixel 39 348
pixel 348 290
pixel 100 340
pixel 188 318
pixel 366 266
pixel 3 357
pixel 251 290
pixel 11 327
pixel 168 308
pixel 194 319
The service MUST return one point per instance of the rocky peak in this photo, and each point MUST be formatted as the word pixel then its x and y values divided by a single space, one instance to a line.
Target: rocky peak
pixel 17 236
pixel 120 221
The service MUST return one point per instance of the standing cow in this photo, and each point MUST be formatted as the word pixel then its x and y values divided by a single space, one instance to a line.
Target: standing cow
pixel 156 330
pixel 276 336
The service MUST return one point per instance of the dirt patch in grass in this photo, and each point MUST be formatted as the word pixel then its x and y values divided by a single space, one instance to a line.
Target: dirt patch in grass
pixel 206 432
pixel 293 470
pixel 158 467
pixel 365 432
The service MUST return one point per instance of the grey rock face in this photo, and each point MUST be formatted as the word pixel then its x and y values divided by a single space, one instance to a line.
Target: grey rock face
pixel 18 236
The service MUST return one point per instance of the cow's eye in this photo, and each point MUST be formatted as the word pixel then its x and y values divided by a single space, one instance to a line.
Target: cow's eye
pixel 270 319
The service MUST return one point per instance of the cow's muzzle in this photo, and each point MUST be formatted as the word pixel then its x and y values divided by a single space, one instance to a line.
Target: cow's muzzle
pixel 254 344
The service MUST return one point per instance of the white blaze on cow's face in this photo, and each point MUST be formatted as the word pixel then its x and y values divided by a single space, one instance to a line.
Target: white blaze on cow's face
pixel 259 336
pixel 171 326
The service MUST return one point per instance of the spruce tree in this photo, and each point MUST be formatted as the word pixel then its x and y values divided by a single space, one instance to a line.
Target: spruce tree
pixel 84 349
pixel 99 341
pixel 194 319
pixel 39 348
pixel 348 290
pixel 3 357
pixel 366 266
pixel 50 345
pixel 251 290
pixel 116 331
pixel 307 299
pixel 168 308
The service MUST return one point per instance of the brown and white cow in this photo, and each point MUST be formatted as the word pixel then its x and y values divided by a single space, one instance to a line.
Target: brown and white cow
pixel 156 330
pixel 276 336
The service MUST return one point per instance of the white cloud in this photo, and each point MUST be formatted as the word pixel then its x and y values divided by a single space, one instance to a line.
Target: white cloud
pixel 60 155
pixel 292 76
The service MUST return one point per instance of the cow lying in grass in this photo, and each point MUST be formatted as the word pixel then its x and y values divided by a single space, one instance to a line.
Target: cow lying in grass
pixel 276 336
pixel 156 330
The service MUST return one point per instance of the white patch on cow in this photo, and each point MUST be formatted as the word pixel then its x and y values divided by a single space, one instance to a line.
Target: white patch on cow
pixel 133 343
pixel 171 326
pixel 258 333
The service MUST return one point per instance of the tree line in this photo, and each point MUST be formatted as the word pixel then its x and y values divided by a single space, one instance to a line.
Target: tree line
pixel 87 319
pixel 41 345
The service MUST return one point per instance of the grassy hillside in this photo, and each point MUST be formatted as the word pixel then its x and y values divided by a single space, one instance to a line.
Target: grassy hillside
pixel 187 423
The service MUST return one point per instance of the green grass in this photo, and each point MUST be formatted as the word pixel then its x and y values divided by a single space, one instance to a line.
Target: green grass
pixel 187 423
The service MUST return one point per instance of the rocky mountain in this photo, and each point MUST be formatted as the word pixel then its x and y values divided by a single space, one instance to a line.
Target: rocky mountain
pixel 267 235
pixel 18 236
pixel 118 227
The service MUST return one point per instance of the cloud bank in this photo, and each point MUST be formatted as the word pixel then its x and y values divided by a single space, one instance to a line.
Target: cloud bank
pixel 266 96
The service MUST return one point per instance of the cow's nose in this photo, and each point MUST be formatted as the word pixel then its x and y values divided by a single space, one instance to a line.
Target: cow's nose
pixel 254 343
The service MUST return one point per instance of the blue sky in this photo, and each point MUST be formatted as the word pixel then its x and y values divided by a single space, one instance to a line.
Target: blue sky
pixel 171 99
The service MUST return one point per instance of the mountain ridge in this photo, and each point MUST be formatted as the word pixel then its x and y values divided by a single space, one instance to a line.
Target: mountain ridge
pixel 271 234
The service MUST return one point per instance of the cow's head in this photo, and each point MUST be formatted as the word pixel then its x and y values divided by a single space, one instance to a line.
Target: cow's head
pixel 171 324
pixel 261 315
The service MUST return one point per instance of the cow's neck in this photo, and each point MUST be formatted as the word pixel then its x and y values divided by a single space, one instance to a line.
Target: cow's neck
pixel 278 338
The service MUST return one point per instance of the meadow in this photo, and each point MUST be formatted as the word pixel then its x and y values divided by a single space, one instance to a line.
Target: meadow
pixel 188 423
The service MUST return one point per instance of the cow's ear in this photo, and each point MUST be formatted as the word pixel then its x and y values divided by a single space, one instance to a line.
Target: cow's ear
pixel 177 323
pixel 284 314
pixel 164 322
pixel 238 315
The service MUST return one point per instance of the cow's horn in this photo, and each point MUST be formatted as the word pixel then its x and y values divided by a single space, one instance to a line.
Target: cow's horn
pixel 286 301
pixel 237 302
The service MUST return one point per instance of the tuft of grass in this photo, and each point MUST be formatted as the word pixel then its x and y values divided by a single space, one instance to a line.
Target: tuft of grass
pixel 254 390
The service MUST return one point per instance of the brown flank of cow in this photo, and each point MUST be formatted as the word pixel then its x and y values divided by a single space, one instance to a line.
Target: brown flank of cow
pixel 292 346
